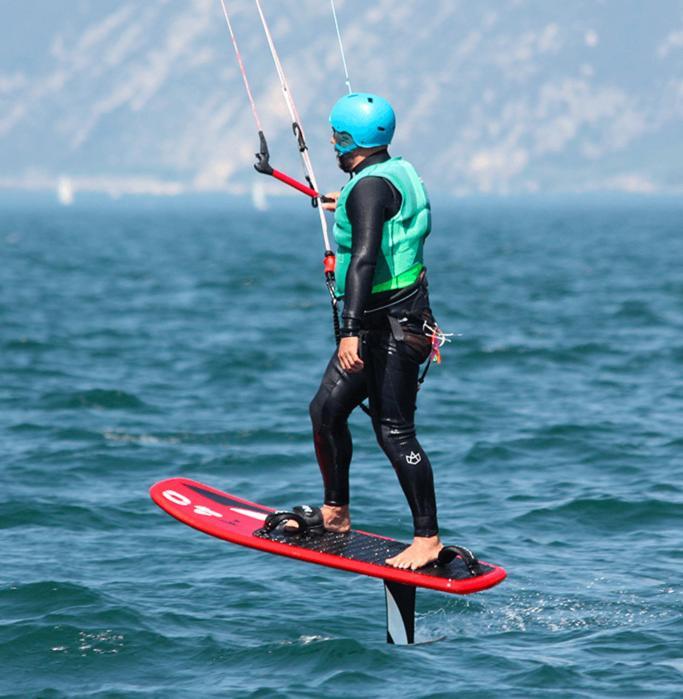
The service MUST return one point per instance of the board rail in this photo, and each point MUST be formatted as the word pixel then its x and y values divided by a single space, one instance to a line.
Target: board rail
pixel 234 519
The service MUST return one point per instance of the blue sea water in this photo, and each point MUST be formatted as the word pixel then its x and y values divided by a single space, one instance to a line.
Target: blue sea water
pixel 142 343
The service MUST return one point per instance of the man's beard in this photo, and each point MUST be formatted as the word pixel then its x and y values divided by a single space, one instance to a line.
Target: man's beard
pixel 344 161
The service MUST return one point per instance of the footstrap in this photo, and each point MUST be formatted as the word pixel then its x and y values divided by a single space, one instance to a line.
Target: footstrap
pixel 450 553
pixel 309 520
pixel 275 519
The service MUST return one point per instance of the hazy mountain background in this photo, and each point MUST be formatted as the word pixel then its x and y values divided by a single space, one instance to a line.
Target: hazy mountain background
pixel 503 96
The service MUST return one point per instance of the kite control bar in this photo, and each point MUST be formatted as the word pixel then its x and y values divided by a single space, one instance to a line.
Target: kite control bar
pixel 263 166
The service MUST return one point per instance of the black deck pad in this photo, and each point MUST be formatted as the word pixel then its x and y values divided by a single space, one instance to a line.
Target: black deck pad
pixel 368 549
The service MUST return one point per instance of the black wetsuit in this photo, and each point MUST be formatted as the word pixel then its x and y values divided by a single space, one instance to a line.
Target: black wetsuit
pixel 393 345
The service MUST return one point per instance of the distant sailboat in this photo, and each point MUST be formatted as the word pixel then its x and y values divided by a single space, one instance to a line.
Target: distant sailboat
pixel 258 196
pixel 65 191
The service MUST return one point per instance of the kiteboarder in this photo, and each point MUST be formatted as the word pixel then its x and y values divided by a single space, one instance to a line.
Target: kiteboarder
pixel 382 217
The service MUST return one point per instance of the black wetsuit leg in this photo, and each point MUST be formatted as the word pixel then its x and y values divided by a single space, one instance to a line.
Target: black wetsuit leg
pixel 339 393
pixel 392 370
pixel 389 379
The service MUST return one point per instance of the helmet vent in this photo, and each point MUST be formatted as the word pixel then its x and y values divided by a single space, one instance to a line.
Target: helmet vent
pixel 381 128
pixel 371 100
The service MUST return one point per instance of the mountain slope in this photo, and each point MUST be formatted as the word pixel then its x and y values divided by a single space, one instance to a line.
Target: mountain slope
pixel 506 97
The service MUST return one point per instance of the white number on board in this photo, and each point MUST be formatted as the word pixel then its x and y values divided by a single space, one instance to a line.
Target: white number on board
pixel 203 510
pixel 183 500
pixel 176 498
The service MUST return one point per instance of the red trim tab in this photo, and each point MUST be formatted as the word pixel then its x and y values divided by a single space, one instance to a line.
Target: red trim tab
pixel 330 261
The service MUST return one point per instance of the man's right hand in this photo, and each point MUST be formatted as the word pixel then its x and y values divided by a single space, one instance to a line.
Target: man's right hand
pixel 348 355
pixel 330 205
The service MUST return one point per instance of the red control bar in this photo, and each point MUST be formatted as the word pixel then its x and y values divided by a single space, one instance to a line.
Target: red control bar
pixel 300 186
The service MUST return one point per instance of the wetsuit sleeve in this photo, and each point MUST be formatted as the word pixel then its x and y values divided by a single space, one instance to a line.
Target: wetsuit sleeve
pixel 372 201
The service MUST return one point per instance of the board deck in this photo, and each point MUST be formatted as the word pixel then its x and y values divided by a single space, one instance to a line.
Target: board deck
pixel 237 520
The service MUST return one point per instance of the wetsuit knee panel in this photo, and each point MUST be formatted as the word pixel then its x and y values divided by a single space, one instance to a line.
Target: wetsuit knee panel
pixel 392 434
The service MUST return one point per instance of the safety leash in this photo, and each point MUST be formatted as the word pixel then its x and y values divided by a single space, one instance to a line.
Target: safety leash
pixel 439 338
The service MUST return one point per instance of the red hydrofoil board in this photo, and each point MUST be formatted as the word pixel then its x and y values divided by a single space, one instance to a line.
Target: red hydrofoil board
pixel 236 520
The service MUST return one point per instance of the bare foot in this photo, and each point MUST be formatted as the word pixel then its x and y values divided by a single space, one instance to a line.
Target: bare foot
pixel 423 550
pixel 336 518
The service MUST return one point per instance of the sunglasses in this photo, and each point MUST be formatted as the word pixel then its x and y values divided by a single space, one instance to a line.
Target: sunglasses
pixel 343 139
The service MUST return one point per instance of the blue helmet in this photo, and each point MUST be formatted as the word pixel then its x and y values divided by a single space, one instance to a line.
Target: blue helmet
pixel 362 120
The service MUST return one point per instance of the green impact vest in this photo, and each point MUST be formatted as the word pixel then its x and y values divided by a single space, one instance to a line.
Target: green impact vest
pixel 400 260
